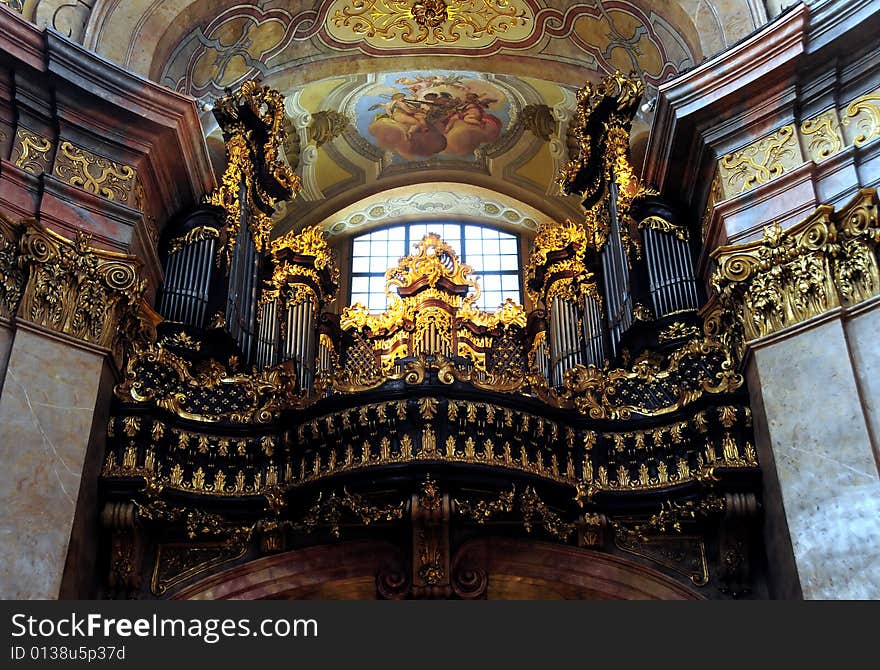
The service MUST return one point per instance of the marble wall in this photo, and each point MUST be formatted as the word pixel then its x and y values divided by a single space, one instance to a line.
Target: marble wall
pixel 47 412
pixel 822 470
pixel 861 328
pixel 5 348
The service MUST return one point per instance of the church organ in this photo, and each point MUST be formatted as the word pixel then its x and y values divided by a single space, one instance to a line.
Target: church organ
pixel 262 421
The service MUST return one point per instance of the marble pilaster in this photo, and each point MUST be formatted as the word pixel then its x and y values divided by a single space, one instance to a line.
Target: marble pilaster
pixel 817 453
pixel 47 415
pixel 861 326
pixel 5 348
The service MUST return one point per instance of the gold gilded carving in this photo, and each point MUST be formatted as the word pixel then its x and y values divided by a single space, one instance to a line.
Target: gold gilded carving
pixel 594 392
pixel 11 275
pixel 533 512
pixel 75 289
pixel 94 173
pixel 255 169
pixel 262 394
pixel 195 235
pixel 301 259
pixel 678 330
pixel 822 135
pixel 864 114
pixel 662 225
pixel 332 510
pixel 430 13
pixel 429 22
pixel 482 511
pixel 434 260
pixel 827 260
pixel 31 152
pixel 14 5
pixel 431 317
pixel 558 253
pixel 307 242
pixel 760 161
pixel 604 116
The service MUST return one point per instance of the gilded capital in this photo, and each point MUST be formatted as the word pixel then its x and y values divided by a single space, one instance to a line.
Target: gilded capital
pixel 73 288
pixel 826 261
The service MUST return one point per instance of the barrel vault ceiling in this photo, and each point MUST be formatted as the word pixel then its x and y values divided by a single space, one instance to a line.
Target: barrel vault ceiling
pixel 392 103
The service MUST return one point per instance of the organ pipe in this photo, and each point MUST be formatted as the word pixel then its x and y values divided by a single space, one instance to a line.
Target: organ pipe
pixel 670 272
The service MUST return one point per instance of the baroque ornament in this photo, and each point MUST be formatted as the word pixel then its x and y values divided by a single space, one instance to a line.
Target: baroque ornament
pixel 760 161
pixel 602 124
pixel 430 22
pixel 94 173
pixel 90 294
pixel 253 164
pixel 31 152
pixel 827 260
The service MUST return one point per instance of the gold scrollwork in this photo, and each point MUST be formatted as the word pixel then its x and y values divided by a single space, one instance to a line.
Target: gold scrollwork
pixel 195 235
pixel 823 136
pixel 75 289
pixel 303 261
pixel 331 511
pixel 263 187
pixel 864 113
pixel 660 224
pixel 533 512
pixel 596 392
pixel 431 316
pixel 11 274
pixel 429 22
pixel 678 330
pixel 606 109
pixel 31 151
pixel 789 276
pixel 262 394
pixel 94 173
pixel 760 161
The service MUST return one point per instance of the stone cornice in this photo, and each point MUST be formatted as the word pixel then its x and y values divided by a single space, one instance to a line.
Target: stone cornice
pixel 829 18
pixel 20 40
pixel 109 111
pixel 718 88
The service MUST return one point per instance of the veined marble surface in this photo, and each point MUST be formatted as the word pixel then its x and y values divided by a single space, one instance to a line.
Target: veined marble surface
pixel 46 411
pixel 825 462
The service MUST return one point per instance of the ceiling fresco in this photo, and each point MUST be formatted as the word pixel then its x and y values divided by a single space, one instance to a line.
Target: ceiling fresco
pixel 202 44
pixel 384 94
pixel 353 136
pixel 442 114
pixel 244 40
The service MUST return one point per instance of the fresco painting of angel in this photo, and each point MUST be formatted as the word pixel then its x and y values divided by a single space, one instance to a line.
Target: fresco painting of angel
pixel 437 114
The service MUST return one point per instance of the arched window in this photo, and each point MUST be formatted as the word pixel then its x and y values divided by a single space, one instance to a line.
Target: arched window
pixel 493 254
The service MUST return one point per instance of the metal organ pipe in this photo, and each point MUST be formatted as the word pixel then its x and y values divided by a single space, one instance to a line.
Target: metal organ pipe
pixel 670 268
pixel 206 280
pixel 170 287
pixel 593 333
pixel 554 340
pixel 189 288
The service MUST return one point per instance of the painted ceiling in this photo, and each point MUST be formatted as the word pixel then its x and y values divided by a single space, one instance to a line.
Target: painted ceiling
pixel 385 94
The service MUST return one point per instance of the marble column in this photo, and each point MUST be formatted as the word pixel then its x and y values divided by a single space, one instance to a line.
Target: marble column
pixel 812 428
pixel 5 348
pixel 47 415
